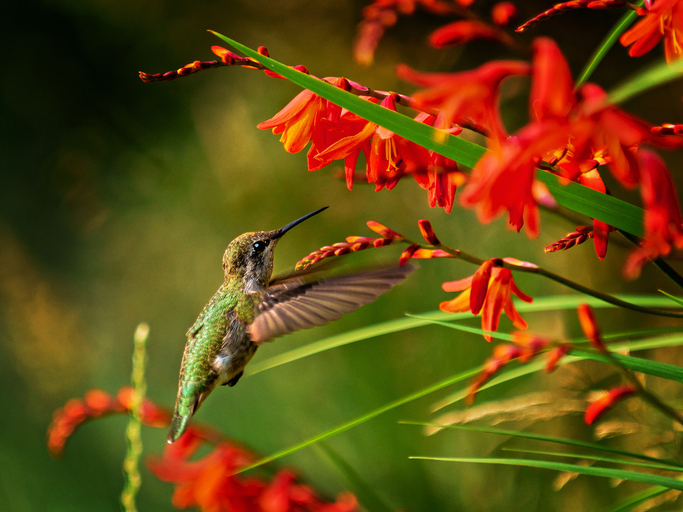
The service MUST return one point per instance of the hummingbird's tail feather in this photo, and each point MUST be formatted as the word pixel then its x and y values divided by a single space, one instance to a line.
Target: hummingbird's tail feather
pixel 185 408
pixel 178 427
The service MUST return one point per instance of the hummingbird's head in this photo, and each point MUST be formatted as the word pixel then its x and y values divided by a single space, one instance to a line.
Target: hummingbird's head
pixel 249 257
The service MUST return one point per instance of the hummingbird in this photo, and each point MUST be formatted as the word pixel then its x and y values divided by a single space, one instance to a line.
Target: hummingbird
pixel 250 309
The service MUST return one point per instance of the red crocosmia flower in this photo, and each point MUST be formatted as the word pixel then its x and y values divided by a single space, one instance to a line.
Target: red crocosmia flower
pixel 300 119
pixel 555 355
pixel 441 176
pixel 524 348
pixel 496 285
pixel 208 483
pixel 663 19
pixel 590 326
pixel 96 404
pixel 467 98
pixel 285 495
pixel 503 13
pixel 552 87
pixel 388 156
pixel 663 222
pixel 461 32
pixel 605 401
pixel 601 230
pixel 503 179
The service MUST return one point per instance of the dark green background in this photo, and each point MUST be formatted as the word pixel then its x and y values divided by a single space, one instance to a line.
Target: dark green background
pixel 118 198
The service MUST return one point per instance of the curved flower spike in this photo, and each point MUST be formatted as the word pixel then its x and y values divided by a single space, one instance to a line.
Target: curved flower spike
pixel 605 401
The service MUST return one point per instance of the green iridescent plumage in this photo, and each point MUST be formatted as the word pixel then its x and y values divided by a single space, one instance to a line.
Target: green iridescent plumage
pixel 249 309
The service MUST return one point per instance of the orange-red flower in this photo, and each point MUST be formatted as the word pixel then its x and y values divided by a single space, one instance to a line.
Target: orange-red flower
pixel 210 482
pixel 605 401
pixel 503 13
pixel 96 404
pixel 467 98
pixel 663 221
pixel 461 32
pixel 590 326
pixel 308 117
pixel 489 292
pixel 523 348
pixel 663 19
pixel 388 155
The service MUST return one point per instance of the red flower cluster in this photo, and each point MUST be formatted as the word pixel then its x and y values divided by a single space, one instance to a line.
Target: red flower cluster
pixel 576 131
pixel 489 292
pixel 523 348
pixel 337 134
pixel 662 19
pixel 208 483
pixel 96 404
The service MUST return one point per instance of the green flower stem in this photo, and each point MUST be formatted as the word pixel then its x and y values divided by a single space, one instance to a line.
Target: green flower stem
pixel 134 441
pixel 607 44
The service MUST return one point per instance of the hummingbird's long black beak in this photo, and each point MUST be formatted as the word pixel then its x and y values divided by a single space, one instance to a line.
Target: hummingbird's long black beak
pixel 289 226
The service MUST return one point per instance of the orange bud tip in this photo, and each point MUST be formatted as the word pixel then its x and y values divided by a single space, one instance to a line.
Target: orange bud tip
pixel 427 232
pixel 407 255
pixel 383 230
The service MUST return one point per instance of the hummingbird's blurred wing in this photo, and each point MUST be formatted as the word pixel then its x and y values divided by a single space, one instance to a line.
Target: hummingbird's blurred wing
pixel 301 303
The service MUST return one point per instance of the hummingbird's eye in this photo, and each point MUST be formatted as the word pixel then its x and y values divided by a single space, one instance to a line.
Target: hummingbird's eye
pixel 258 247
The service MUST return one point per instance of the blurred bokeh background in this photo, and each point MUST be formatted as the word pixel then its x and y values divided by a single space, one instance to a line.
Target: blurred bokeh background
pixel 118 199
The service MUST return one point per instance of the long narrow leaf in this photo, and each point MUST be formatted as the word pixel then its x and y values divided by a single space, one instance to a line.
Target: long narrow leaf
pixel 609 209
pixel 557 440
pixel 556 302
pixel 607 44
pixel 621 474
pixel 639 498
pixel 610 460
pixel 366 417
pixel 658 74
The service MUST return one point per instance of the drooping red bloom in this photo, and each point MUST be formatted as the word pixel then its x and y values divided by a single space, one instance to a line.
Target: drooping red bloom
pixel 461 32
pixel 523 348
pixel 96 404
pixel 467 98
pixel 489 292
pixel 581 125
pixel 663 221
pixel 663 19
pixel 503 13
pixel 208 483
pixel 388 156
pixel 301 118
pixel 590 326
pixel 605 401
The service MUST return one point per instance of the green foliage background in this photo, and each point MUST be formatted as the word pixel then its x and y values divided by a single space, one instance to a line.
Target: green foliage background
pixel 118 198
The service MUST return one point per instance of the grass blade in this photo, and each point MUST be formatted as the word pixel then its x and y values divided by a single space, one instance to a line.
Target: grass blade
pixel 622 474
pixel 557 440
pixel 595 458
